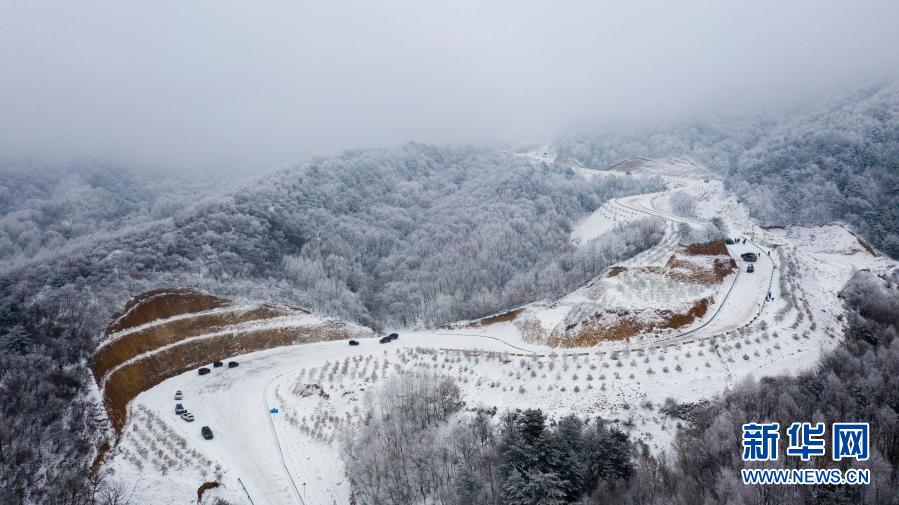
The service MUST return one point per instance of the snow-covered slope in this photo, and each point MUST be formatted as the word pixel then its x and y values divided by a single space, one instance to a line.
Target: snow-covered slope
pixel 292 456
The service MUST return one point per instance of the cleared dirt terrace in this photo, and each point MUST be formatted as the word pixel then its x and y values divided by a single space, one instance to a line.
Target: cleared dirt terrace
pixel 161 304
pixel 170 341
pixel 133 344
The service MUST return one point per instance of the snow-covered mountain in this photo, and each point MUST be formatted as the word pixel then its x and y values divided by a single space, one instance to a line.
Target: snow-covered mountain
pixel 620 347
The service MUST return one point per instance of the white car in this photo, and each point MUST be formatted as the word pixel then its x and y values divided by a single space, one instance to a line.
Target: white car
pixel 187 416
pixel 178 395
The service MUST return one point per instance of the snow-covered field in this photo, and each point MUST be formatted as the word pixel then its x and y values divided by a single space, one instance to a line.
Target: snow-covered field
pixel 292 456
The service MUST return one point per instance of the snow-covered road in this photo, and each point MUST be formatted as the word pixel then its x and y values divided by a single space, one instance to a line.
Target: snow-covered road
pixel 746 296
pixel 267 459
pixel 236 403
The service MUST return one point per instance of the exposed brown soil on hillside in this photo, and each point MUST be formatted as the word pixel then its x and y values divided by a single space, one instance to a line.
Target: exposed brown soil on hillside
pixel 597 330
pixel 861 242
pixel 204 487
pixel 100 457
pixel 163 303
pixel 697 311
pixel 124 384
pixel 615 271
pixel 713 248
pixel 502 317
pixel 625 325
pixel 687 271
pixel 169 332
pixel 498 318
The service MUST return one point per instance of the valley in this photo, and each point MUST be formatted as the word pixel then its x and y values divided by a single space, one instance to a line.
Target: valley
pixel 278 417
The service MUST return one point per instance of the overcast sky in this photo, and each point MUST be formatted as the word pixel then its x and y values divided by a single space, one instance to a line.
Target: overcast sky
pixel 215 84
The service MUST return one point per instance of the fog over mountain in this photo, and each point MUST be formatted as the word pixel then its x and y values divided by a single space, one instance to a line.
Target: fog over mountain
pixel 237 86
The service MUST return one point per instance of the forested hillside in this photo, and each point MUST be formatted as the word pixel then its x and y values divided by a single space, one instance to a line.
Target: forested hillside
pixel 837 160
pixel 44 209
pixel 417 235
pixel 417 447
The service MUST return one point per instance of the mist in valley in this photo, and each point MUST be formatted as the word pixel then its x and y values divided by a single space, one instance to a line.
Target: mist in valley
pixel 442 170
pixel 237 88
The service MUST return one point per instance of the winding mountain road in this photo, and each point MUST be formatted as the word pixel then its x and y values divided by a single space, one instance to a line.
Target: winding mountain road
pixel 236 402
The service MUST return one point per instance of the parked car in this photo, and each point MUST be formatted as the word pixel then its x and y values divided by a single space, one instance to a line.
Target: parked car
pixel 207 432
pixel 385 340
pixel 178 395
pixel 233 364
pixel 187 416
pixel 729 241
pixel 179 409
pixel 393 336
pixel 203 371
pixel 750 257
pixel 354 342
pixel 218 364
pixel 750 269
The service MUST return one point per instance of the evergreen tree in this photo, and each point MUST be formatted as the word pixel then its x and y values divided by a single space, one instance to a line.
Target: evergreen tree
pixel 16 340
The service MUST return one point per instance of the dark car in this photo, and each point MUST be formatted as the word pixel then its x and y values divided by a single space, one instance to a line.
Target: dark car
pixel 207 432
pixel 750 269
pixel 218 364
pixel 179 409
pixel 393 336
pixel 750 257
pixel 354 342
pixel 729 241
pixel 233 364
pixel 203 371
pixel 385 340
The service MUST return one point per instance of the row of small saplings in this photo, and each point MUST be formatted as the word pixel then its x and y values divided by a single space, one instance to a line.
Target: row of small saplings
pixel 206 431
